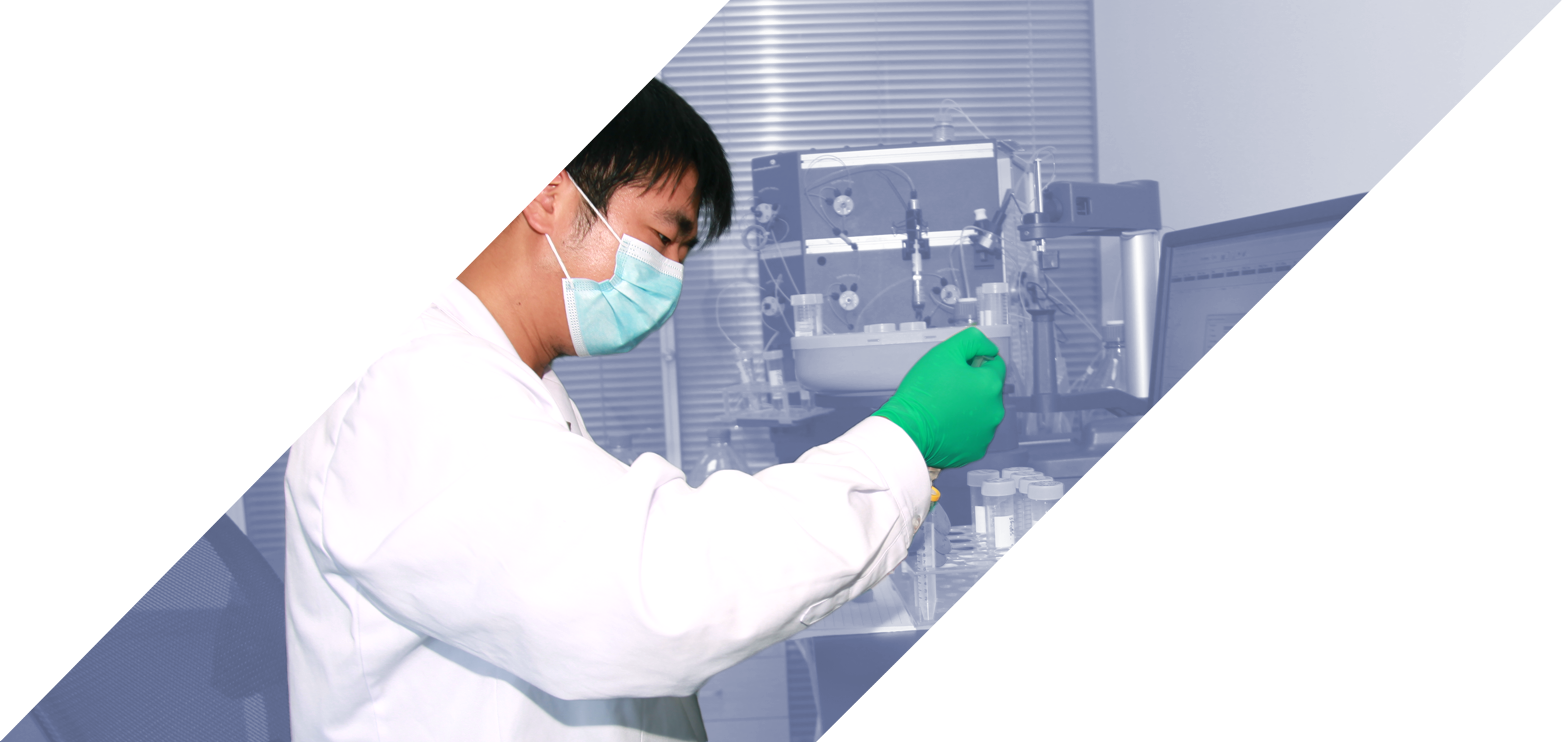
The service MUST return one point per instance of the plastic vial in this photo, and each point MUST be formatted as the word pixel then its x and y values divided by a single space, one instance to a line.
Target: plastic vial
pixel 808 313
pixel 1526 585
pixel 1045 499
pixel 775 372
pixel 747 361
pixel 1019 475
pixel 994 304
pixel 1107 371
pixel 998 498
pixel 974 479
pixel 1526 495
pixel 880 327
pixel 719 455
pixel 965 310
pixel 1523 539
pixel 1537 625
pixel 912 326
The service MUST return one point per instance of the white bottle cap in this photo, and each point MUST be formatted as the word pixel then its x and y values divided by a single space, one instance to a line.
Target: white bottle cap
pixel 993 288
pixel 773 355
pixel 964 666
pixel 880 327
pixel 1018 471
pixel 908 326
pixel 975 477
pixel 806 299
pixel 998 487
pixel 1051 489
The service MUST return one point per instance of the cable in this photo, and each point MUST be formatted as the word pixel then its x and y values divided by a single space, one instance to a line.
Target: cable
pixel 880 295
pixel 949 104
pixel 1079 313
pixel 723 293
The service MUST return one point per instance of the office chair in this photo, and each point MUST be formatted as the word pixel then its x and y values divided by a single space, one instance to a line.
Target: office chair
pixel 200 658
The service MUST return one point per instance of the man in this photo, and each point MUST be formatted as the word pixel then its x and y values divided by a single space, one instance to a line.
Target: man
pixel 463 563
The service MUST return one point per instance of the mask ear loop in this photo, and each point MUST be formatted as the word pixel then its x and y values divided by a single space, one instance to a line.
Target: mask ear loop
pixel 593 206
pixel 556 257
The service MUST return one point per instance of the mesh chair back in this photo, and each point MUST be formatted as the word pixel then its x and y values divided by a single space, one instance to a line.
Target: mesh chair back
pixel 169 628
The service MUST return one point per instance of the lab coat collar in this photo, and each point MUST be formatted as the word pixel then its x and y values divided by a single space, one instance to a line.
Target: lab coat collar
pixel 452 297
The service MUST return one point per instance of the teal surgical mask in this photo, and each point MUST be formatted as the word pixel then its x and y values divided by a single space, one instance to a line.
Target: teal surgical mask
pixel 613 316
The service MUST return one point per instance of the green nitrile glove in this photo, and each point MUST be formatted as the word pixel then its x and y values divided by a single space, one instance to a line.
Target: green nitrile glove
pixel 948 406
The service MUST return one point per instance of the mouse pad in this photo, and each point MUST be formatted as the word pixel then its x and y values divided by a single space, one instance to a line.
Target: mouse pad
pixel 1431 699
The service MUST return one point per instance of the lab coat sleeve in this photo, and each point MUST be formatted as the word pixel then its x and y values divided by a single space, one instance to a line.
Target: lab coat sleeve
pixel 544 556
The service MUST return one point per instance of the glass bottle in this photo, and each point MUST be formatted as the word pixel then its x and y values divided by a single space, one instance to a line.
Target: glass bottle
pixel 998 498
pixel 1107 371
pixel 974 479
pixel 719 455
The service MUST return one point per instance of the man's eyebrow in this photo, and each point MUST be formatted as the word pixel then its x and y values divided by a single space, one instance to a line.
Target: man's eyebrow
pixel 686 226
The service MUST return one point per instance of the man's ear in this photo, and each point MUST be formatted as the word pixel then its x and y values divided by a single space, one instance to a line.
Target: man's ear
pixel 542 194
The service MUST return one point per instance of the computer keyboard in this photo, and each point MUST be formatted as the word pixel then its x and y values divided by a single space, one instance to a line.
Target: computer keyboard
pixel 1175 581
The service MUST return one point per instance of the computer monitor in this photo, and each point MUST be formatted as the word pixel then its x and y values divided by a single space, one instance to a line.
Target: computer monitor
pixel 1270 375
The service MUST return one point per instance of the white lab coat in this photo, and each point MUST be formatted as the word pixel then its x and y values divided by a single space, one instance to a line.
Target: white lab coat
pixel 463 564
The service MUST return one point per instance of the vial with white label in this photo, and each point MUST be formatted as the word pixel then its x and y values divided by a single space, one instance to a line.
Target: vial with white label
pixel 994 304
pixel 998 499
pixel 1045 499
pixel 974 479
pixel 775 372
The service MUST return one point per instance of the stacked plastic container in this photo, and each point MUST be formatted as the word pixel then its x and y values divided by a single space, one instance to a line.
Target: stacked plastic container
pixel 1522 613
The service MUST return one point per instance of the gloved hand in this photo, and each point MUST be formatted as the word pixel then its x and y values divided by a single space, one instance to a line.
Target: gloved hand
pixel 949 407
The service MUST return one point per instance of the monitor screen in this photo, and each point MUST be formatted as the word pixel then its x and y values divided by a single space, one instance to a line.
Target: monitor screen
pixel 1264 386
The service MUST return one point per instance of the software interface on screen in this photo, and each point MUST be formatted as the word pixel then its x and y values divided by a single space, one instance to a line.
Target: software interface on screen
pixel 1262 356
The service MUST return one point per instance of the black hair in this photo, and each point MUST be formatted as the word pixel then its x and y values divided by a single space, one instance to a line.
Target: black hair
pixel 608 125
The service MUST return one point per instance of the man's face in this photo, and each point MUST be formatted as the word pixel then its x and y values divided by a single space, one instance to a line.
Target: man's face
pixel 664 217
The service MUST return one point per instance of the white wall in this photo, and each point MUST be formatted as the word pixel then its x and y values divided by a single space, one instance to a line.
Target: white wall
pixel 128 175
pixel 1239 107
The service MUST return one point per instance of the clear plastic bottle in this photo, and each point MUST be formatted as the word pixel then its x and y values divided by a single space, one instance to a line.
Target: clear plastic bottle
pixel 974 479
pixel 994 304
pixel 808 312
pixel 1045 499
pixel 775 371
pixel 1107 371
pixel 1021 514
pixel 719 455
pixel 998 498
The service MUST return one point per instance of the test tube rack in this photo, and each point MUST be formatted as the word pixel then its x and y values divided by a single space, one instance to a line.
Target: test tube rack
pixel 761 403
pixel 978 586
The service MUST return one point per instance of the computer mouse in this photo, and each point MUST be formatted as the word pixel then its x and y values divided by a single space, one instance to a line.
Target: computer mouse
pixel 1298 664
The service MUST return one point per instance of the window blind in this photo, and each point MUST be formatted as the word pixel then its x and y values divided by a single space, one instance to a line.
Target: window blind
pixel 779 75
pixel 336 125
